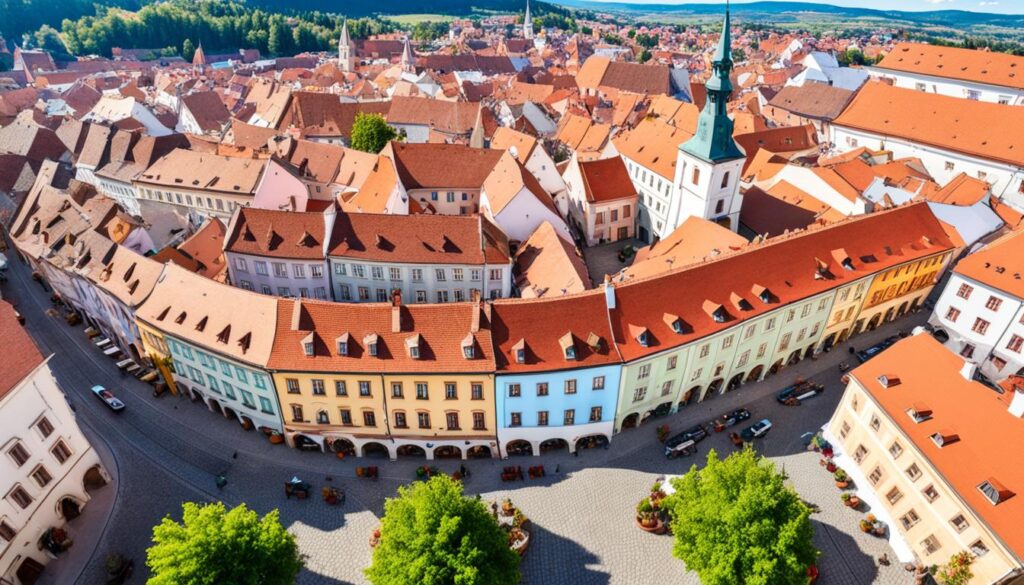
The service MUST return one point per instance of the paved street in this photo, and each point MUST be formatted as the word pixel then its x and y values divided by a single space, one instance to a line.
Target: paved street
pixel 166 451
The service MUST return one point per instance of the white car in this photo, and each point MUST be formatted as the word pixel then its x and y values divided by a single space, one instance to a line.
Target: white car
pixel 108 398
pixel 758 429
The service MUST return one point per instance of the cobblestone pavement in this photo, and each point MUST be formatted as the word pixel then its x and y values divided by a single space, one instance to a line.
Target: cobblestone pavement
pixel 168 451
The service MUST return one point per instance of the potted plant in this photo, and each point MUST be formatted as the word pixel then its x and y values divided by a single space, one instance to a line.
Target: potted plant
pixel 519 519
pixel 830 466
pixel 865 526
pixel 850 500
pixel 507 508
pixel 842 480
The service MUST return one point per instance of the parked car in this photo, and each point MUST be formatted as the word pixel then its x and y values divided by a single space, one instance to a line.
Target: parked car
pixel 757 430
pixel 798 392
pixel 866 354
pixel 695 434
pixel 680 449
pixel 731 418
pixel 108 398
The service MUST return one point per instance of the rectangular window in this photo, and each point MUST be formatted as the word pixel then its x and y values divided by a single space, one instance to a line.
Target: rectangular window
pixel 930 493
pixel 364 388
pixel 993 303
pixel 980 326
pixel 542 388
pixel 860 453
pixel 542 418
pixel 479 421
pixel 452 418
pixel 318 388
pixel 931 544
pixel 595 414
pixel 639 394
pixel 476 391
pixel 280 270
pixel 909 519
pixel 265 405
pixel 296 413
pixel 400 420
pixel 1015 343
pixel 369 419
pixel 345 415
pixel 570 386
pixel 340 389
pixel 19 454
pixel 598 383
pixel 875 476
pixel 377 272
pixel 423 420
pixel 896 449
pixel 19 496
pixel 894 495
pixel 952 314
pixel 570 417
pixel 293 385
pixel 42 477
pixel 396 390
pixel 450 391
pixel 914 472
pixel 316 271
pixel 964 291
pixel 6 531
pixel 514 390
pixel 299 270
pixel 959 523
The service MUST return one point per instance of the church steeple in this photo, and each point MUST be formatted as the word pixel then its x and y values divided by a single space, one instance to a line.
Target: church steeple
pixel 527 23
pixel 713 141
pixel 408 59
pixel 346 49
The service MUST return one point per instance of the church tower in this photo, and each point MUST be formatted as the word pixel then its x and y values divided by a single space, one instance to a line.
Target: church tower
pixel 708 166
pixel 527 23
pixel 346 50
pixel 408 60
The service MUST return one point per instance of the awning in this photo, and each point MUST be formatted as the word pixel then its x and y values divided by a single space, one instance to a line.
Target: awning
pixel 112 351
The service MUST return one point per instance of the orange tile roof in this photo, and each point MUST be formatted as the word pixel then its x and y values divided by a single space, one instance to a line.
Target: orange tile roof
pixel 206 247
pixel 276 234
pixel 425 166
pixel 694 240
pixel 786 265
pixel 21 355
pixel 548 265
pixel 188 169
pixel 929 374
pixel 376 190
pixel 988 67
pixel 508 178
pixel 998 264
pixel 653 144
pixel 418 239
pixel 506 138
pixel 944 122
pixel 606 180
pixel 541 323
pixel 963 189
pixel 442 329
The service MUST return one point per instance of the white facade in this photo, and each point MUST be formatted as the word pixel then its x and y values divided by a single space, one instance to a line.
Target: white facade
pixel 283 277
pixel 958 88
pixel 362 281
pixel 111 109
pixel 47 472
pixel 943 165
pixel 705 189
pixel 805 179
pixel 121 191
pixel 984 325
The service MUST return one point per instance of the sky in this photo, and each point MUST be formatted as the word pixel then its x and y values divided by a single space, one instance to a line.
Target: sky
pixel 996 6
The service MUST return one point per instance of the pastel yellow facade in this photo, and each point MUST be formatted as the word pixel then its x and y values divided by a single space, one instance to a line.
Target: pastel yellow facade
pixel 925 509
pixel 896 291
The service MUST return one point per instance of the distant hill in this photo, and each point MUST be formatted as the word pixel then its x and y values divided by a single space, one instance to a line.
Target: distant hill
pixel 796 10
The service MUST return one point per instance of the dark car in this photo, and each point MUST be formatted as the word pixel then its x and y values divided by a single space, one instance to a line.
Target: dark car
pixel 801 391
pixel 866 354
pixel 756 430
pixel 695 434
pixel 734 417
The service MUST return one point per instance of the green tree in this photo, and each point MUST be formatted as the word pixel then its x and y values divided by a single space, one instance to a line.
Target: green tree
pixel 48 39
pixel 958 570
pixel 645 56
pixel 370 133
pixel 432 534
pixel 214 545
pixel 188 50
pixel 735 521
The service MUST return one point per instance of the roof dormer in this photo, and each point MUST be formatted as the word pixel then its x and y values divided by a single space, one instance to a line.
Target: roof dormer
pixel 181 318
pixel 844 260
pixel 224 335
pixel 740 303
pixel 201 325
pixel 821 271
pixel 994 491
pixel 469 347
pixel 889 380
pixel 370 341
pixel 676 323
pixel 412 345
pixel 308 345
pixel 519 351
pixel 568 344
pixel 594 342
pixel 944 437
pixel 641 335
pixel 716 311
pixel 919 412
pixel 762 293
pixel 245 341
pixel 342 343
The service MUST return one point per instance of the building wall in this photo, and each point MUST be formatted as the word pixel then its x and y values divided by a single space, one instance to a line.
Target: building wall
pixel 943 165
pixel 585 214
pixel 714 195
pixel 896 291
pixel 524 214
pixel 199 202
pixel 901 492
pixel 448 200
pixel 961 312
pixel 354 280
pixel 596 387
pixel 654 200
pixel 282 277
pixel 957 88
pixel 22 411
pixel 345 394
pixel 123 193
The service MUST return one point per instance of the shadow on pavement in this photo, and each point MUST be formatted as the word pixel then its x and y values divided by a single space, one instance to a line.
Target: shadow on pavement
pixel 554 559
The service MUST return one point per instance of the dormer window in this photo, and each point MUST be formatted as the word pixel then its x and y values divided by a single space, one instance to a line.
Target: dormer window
pixel 715 311
pixel 519 351
pixel 641 335
pixel 469 347
pixel 740 303
pixel 994 491
pixel 844 260
pixel 307 345
pixel 944 438
pixel 919 412
pixel 342 343
pixel 372 348
pixel 568 344
pixel 371 344
pixel 594 341
pixel 676 323
pixel 889 380
pixel 762 293
pixel 412 344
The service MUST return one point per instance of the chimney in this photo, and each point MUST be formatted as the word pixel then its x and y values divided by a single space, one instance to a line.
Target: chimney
pixel 1017 403
pixel 330 215
pixel 474 323
pixel 967 371
pixel 609 292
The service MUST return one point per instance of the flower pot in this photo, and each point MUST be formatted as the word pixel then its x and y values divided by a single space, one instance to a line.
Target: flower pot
pixel 654 526
pixel 842 484
pixel 831 467
pixel 853 502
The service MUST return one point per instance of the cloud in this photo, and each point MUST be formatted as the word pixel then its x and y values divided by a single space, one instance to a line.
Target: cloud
pixel 938 1
pixel 988 4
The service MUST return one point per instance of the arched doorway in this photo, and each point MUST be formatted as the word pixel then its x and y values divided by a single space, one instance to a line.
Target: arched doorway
pixel 755 374
pixel 343 446
pixel 857 327
pixel 447 452
pixel 631 421
pixel 376 450
pixel 874 321
pixel 93 479
pixel 663 409
pixel 775 368
pixel 809 351
pixel 230 413
pixel 215 406
pixel 715 386
pixel 29 571
pixel 411 451
pixel 519 447
pixel 829 342
pixel 479 452
pixel 793 358
pixel 591 442
pixel 889 314
pixel 246 423
pixel 554 445
pixel 304 443
pixel 902 310
pixel 69 508
pixel 734 382
pixel 688 396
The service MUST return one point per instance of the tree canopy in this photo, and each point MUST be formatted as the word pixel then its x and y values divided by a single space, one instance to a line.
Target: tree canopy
pixel 735 521
pixel 370 133
pixel 432 534
pixel 216 546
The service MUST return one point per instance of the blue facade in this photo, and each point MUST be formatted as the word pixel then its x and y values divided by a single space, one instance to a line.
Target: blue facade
pixel 248 391
pixel 576 403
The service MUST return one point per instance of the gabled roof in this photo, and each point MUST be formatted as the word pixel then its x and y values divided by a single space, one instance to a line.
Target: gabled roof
pixel 208 110
pixel 547 265
pixel 695 240
pixel 786 265
pixel 606 180
pixel 948 123
pixel 439 115
pixel 988 67
pixel 188 169
pixel 276 234
pixel 441 327
pixel 507 180
pixel 426 166
pixel 816 101
pixel 998 264
pixel 21 355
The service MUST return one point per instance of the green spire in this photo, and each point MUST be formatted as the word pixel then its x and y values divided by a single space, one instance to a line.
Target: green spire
pixel 713 141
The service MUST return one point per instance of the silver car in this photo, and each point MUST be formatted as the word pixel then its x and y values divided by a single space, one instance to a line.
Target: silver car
pixel 108 398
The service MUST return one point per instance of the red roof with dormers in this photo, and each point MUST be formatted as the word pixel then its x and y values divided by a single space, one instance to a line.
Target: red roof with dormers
pixel 442 330
pixel 277 234
pixel 785 265
pixel 542 323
